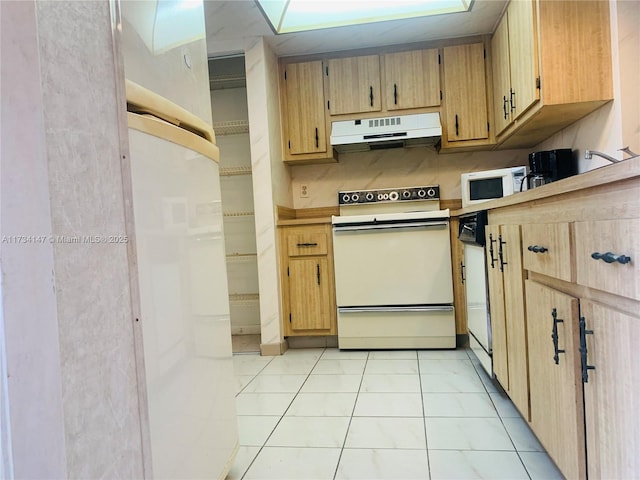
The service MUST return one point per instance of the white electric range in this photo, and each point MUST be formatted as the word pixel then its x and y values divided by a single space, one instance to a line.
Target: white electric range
pixel 392 259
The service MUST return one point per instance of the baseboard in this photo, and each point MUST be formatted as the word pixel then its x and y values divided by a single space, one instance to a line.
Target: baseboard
pixel 330 341
pixel 462 341
pixel 245 330
pixel 273 349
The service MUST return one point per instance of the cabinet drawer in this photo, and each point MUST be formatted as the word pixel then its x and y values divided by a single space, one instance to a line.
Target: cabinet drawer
pixel 547 249
pixel 311 243
pixel 608 255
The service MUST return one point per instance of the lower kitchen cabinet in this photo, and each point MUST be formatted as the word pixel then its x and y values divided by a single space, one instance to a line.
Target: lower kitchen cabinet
pixel 582 297
pixel 557 415
pixel 506 302
pixel 308 287
pixel 611 375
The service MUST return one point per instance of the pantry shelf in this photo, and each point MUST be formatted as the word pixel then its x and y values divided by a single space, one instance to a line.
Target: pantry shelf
pixel 238 214
pixel 231 127
pixel 234 171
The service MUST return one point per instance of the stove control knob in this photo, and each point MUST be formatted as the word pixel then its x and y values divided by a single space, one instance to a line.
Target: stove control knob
pixel 406 194
pixel 422 193
pixel 385 196
pixel 393 196
pixel 431 193
pixel 355 197
pixel 380 196
pixel 346 198
pixel 369 196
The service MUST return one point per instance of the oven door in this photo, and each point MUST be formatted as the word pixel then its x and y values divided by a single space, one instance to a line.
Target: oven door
pixel 386 264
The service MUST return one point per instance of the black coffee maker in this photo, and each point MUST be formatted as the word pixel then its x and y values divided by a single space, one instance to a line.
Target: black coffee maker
pixel 549 166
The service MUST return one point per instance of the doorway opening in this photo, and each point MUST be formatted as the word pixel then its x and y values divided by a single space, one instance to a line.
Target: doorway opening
pixel 227 80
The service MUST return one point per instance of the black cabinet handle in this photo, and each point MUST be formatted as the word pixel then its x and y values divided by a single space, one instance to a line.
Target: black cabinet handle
pixel 371 95
pixel 554 336
pixel 491 250
pixel 537 249
pixel 462 267
pixel 512 96
pixel 395 94
pixel 583 350
pixel 611 257
pixel 306 244
pixel 317 140
pixel 501 253
pixel 504 107
pixel 318 272
pixel 457 126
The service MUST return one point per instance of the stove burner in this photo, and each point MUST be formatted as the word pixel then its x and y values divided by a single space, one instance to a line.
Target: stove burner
pixel 387 195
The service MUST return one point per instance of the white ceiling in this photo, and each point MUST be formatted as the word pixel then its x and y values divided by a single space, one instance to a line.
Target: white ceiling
pixel 230 22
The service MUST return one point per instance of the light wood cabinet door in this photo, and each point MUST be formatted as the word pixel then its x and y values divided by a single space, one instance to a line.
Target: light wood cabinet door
pixel 501 75
pixel 608 256
pixel 554 367
pixel 611 392
pixel 510 258
pixel 496 307
pixel 514 64
pixel 305 120
pixel 354 84
pixel 523 58
pixel 465 92
pixel 412 79
pixel 309 294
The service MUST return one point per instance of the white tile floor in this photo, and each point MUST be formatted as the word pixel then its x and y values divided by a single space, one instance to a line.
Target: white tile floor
pixel 330 414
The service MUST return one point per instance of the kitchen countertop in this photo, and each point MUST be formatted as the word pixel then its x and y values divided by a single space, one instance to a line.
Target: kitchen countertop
pixel 305 216
pixel 616 172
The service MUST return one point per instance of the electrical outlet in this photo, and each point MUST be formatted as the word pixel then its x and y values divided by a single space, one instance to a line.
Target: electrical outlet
pixel 304 190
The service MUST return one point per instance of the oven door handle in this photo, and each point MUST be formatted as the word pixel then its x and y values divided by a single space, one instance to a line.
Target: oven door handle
pixel 387 226
pixel 410 308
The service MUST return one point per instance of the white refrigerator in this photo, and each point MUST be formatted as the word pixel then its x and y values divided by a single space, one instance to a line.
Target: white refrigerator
pixel 180 252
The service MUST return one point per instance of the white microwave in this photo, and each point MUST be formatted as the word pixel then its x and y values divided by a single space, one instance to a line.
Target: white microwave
pixel 483 186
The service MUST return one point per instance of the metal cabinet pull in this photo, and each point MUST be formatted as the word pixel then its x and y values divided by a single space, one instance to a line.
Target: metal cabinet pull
pixel 306 244
pixel 395 94
pixel 504 106
pixel 512 95
pixel 501 253
pixel 318 272
pixel 611 257
pixel 537 249
pixel 371 95
pixel 583 350
pixel 554 336
pixel 317 139
pixel 462 267
pixel 491 251
pixel 457 126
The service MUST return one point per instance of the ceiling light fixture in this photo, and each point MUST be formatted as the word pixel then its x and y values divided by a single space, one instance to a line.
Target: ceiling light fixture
pixel 287 16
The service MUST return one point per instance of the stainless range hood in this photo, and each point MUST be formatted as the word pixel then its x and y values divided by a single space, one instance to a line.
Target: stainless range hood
pixel 386 132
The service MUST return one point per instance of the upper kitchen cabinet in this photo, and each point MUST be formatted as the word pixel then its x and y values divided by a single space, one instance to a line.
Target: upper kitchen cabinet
pixel 411 79
pixel 354 84
pixel 304 125
pixel 515 66
pixel 552 66
pixel 465 111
